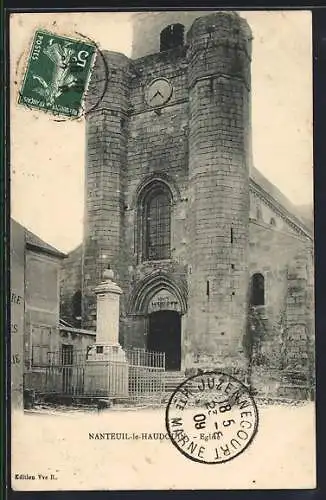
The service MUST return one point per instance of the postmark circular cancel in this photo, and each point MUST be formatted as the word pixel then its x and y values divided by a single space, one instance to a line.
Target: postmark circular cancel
pixel 211 418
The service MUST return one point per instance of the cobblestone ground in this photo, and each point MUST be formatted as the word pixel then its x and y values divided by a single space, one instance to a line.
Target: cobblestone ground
pixel 59 442
pixel 51 408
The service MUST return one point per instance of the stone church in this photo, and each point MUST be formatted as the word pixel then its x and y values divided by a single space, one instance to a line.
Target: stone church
pixel 215 264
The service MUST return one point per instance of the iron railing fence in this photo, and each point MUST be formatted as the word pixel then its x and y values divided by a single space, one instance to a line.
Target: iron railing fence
pixel 67 372
pixel 148 382
pixel 146 375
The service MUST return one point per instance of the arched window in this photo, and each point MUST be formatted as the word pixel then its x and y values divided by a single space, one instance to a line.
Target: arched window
pixel 77 305
pixel 257 290
pixel 272 222
pixel 156 223
pixel 171 37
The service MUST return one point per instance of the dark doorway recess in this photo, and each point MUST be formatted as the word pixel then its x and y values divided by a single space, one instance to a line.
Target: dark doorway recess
pixel 165 336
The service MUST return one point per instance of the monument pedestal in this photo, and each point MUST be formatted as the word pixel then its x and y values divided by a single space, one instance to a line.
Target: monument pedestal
pixel 106 372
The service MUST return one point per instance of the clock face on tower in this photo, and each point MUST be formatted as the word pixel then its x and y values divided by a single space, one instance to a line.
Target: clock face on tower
pixel 158 92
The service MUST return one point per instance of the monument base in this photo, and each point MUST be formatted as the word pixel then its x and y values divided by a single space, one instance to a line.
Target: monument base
pixel 106 371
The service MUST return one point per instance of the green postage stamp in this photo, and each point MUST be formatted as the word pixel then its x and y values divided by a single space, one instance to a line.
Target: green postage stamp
pixel 57 74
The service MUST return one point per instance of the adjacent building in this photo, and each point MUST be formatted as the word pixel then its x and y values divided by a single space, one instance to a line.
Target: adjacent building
pixel 38 336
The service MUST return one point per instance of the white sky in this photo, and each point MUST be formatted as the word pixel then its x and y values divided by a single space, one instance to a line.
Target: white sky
pixel 48 158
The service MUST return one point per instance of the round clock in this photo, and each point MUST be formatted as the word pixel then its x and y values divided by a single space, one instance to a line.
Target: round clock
pixel 158 92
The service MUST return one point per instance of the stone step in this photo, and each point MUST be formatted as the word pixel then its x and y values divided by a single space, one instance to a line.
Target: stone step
pixel 174 372
pixel 172 380
pixel 171 376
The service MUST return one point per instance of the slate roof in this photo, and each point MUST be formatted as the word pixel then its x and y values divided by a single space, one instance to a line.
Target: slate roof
pixel 259 179
pixel 35 243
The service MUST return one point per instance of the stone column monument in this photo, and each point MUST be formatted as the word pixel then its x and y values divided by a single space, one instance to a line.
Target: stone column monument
pixel 106 372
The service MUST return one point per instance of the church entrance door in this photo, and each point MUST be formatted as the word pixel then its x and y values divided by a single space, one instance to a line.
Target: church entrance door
pixel 165 336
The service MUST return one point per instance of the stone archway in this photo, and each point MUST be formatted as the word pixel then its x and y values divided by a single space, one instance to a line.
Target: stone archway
pixel 162 303
pixel 164 327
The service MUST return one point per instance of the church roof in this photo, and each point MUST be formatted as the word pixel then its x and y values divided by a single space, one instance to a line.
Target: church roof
pixel 34 242
pixel 278 200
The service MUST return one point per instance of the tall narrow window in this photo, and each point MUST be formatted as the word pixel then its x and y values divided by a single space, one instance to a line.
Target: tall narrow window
pixel 257 290
pixel 171 37
pixel 157 223
pixel 77 305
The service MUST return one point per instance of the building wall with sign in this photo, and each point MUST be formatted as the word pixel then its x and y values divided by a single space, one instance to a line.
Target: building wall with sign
pixel 35 306
pixel 17 303
pixel 173 202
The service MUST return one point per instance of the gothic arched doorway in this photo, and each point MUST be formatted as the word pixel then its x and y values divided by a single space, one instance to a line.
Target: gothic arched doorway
pixel 162 304
pixel 164 335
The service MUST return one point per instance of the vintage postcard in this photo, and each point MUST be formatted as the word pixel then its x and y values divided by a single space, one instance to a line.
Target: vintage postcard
pixel 162 251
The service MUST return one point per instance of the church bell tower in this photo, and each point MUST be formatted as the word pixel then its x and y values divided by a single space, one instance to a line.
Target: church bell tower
pixel 167 184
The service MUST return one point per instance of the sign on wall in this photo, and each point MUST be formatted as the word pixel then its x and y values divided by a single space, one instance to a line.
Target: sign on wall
pixel 162 301
pixel 17 301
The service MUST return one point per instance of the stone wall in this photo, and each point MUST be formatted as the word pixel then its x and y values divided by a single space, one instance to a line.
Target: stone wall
pixel 70 283
pixel 157 151
pixel 285 261
pixel 106 133
pixel 219 88
pixel 42 298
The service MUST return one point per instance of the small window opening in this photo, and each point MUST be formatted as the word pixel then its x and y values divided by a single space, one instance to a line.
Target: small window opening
pixel 67 354
pixel 231 236
pixel 272 222
pixel 171 37
pixel 257 290
pixel 77 305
